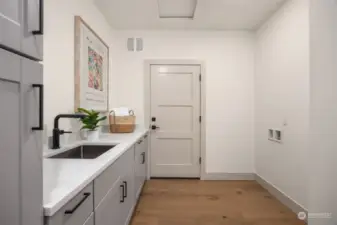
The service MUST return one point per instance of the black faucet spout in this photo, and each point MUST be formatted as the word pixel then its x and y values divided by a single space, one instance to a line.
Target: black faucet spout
pixel 57 132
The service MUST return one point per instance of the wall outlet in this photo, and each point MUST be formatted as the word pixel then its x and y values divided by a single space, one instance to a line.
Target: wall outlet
pixel 278 135
pixel 275 135
pixel 270 134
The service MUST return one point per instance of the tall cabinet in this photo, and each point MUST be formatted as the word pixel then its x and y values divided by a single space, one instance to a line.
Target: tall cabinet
pixel 11 23
pixel 21 98
pixel 21 112
pixel 21 27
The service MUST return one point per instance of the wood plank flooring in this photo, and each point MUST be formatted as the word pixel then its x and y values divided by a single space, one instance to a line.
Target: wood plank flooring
pixel 194 202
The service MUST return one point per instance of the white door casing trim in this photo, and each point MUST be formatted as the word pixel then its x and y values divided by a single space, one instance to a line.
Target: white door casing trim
pixel 147 102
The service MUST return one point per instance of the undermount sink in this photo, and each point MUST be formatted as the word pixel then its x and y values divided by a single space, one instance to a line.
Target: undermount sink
pixel 84 152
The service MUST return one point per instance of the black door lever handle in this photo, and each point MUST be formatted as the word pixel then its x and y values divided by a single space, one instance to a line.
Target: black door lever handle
pixel 154 127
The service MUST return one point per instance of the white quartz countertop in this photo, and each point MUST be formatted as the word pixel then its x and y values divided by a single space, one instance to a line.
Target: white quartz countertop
pixel 63 179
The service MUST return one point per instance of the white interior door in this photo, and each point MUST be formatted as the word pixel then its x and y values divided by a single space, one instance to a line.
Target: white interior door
pixel 175 105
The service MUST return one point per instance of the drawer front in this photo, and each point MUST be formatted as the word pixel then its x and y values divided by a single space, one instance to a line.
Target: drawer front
pixel 84 209
pixel 76 211
pixel 90 220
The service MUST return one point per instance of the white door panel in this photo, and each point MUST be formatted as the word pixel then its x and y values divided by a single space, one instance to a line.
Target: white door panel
pixel 182 116
pixel 175 103
pixel 169 150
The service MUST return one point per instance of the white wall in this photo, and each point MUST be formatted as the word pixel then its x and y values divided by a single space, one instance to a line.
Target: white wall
pixel 323 118
pixel 229 60
pixel 59 52
pixel 282 97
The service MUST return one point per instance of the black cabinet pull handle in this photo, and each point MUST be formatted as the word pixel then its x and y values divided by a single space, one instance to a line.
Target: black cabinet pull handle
pixel 41 20
pixel 145 136
pixel 143 154
pixel 40 86
pixel 139 142
pixel 86 195
pixel 123 190
pixel 125 195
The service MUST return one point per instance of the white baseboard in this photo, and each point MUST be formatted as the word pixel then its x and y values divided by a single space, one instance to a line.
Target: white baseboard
pixel 228 176
pixel 282 197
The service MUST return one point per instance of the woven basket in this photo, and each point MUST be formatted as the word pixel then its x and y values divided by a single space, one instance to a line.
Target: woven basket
pixel 122 124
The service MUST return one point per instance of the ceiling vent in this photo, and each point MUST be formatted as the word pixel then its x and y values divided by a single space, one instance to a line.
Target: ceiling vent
pixel 177 9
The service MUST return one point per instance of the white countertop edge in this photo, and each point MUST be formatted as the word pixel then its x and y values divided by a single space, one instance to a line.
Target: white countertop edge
pixel 51 208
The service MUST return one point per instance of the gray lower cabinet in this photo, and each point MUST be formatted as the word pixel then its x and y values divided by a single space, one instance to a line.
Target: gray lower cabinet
pixel 108 211
pixel 77 211
pixel 21 146
pixel 118 202
pixel 128 202
pixel 140 164
pixel 114 196
pixel 21 26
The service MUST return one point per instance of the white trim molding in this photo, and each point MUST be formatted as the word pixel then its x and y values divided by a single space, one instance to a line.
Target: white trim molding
pixel 228 176
pixel 147 97
pixel 279 195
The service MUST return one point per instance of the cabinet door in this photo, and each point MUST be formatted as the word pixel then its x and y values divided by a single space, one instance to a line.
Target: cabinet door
pixel 90 220
pixel 108 211
pixel 139 167
pixel 128 181
pixel 10 132
pixel 145 152
pixel 129 198
pixel 32 29
pixel 10 23
pixel 31 155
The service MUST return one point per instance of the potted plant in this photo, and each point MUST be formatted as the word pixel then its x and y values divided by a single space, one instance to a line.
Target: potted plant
pixel 90 123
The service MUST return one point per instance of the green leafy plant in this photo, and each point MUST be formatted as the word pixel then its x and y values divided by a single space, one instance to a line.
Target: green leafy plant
pixel 90 122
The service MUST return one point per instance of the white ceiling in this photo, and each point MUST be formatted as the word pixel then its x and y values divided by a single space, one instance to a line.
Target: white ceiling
pixel 209 14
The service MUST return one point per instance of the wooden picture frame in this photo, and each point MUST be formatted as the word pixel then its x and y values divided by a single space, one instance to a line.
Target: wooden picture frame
pixel 91 69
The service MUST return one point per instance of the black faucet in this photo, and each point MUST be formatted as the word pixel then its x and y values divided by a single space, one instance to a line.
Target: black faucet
pixel 57 132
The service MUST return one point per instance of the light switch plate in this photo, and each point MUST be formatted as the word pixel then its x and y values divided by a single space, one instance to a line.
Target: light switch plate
pixel 278 135
pixel 139 44
pixel 131 44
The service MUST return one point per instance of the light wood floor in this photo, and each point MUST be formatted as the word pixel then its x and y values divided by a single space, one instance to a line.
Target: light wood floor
pixel 194 202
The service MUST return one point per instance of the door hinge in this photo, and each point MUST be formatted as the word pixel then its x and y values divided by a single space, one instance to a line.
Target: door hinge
pixel 200 77
pixel 200 160
pixel 200 119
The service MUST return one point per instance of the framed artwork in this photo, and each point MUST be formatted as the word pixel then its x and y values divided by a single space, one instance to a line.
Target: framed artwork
pixel 91 69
